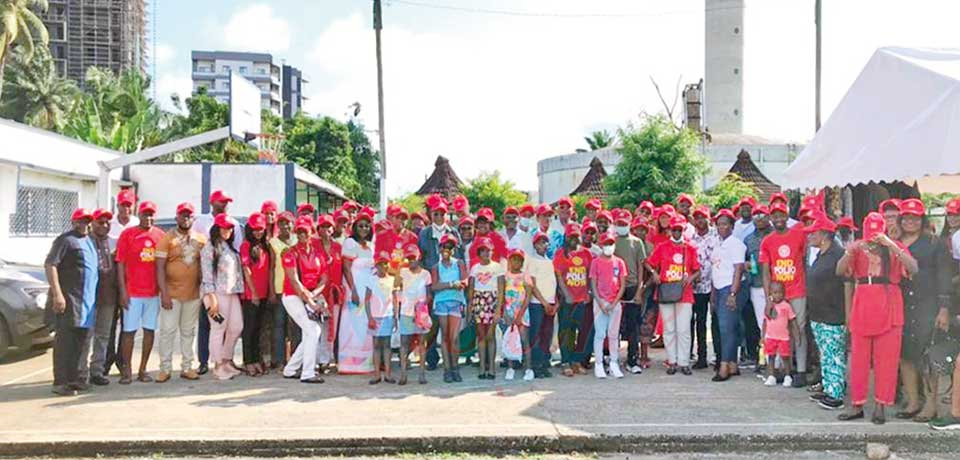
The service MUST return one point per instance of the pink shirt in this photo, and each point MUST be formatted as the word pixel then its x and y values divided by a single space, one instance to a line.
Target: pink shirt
pixel 610 273
pixel 778 328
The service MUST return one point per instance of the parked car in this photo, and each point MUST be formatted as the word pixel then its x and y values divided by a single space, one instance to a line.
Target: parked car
pixel 23 296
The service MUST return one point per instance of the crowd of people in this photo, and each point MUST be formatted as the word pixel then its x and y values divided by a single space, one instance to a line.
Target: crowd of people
pixel 308 294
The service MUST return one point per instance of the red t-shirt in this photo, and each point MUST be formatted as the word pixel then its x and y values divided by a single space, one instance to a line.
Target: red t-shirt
pixel 137 248
pixel 610 273
pixel 311 267
pixel 499 248
pixel 573 272
pixel 784 253
pixel 259 272
pixel 673 262
pixel 656 239
pixel 333 261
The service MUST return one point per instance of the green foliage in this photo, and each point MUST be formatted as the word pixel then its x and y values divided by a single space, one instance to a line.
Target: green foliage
pixel 411 202
pixel 580 205
pixel 206 113
pixel 599 139
pixel 727 192
pixel 35 94
pixel 21 26
pixel 489 190
pixel 366 160
pixel 936 200
pixel 658 161
pixel 322 145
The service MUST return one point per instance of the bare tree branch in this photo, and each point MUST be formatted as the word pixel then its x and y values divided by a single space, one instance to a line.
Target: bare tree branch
pixel 663 101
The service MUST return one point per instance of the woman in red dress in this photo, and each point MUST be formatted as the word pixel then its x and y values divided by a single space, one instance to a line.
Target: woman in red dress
pixel 877 263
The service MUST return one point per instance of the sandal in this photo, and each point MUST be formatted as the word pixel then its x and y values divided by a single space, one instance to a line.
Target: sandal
pixel 718 378
pixel 878 418
pixel 144 378
pixel 402 381
pixel 422 380
pixel 374 381
pixel 126 379
pixel 846 417
pixel 905 414
pixel 567 371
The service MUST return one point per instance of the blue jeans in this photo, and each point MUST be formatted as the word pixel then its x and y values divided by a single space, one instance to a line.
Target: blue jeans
pixel 539 359
pixel 729 319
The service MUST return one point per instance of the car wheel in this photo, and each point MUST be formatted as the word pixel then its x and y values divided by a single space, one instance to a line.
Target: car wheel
pixel 5 339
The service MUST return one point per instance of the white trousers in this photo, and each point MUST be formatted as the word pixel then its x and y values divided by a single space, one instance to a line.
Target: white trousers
pixel 304 359
pixel 606 326
pixel 676 331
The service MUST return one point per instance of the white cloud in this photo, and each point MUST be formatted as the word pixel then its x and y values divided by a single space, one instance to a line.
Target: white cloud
pixel 256 28
pixel 178 83
pixel 164 54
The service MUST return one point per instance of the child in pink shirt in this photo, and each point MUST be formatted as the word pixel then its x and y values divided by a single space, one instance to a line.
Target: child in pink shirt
pixel 776 333
pixel 608 274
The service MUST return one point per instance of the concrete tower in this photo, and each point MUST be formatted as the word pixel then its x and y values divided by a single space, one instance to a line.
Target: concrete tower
pixel 723 66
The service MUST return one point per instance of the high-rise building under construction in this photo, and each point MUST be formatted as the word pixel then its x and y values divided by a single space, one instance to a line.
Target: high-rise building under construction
pixel 110 34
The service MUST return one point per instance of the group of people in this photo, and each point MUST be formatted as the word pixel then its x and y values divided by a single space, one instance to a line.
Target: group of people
pixel 310 293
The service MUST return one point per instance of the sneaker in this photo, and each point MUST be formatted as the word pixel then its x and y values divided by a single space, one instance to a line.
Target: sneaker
pixel 636 369
pixel 615 371
pixel 829 403
pixel 815 388
pixel 800 381
pixel 817 397
pixel 509 375
pixel 771 381
pixel 599 373
pixel 99 380
pixel 787 382
pixel 527 375
pixel 945 423
pixel 747 364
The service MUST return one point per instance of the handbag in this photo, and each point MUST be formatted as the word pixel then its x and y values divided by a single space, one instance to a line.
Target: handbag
pixel 512 344
pixel 312 315
pixel 941 355
pixel 673 292
pixel 421 316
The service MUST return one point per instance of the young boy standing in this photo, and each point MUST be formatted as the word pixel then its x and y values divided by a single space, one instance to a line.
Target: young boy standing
pixel 608 274
pixel 780 321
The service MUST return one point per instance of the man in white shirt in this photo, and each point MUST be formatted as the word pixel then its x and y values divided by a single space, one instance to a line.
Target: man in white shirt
pixel 744 226
pixel 515 238
pixel 124 217
pixel 218 205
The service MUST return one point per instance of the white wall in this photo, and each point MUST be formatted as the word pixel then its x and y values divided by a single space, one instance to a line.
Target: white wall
pixel 168 185
pixel 249 185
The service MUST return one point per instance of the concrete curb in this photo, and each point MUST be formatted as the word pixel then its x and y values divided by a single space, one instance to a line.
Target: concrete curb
pixel 640 444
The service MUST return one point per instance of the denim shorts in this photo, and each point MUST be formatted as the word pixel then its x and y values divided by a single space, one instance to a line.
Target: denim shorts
pixel 142 312
pixel 384 327
pixel 409 327
pixel 448 308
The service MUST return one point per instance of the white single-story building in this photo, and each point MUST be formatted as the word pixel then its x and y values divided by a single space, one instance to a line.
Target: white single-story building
pixel 43 177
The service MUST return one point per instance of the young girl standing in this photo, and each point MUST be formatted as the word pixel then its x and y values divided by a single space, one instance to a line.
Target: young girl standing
pixel 414 284
pixel 382 309
pixel 448 302
pixel 516 299
pixel 486 297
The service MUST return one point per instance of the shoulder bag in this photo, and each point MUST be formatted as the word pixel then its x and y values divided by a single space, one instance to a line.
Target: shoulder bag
pixel 673 292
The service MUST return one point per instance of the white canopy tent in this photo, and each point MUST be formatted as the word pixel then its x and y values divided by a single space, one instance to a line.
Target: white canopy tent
pixel 900 120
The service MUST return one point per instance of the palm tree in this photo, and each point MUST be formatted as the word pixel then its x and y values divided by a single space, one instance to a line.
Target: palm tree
pixel 39 96
pixel 19 25
pixel 599 139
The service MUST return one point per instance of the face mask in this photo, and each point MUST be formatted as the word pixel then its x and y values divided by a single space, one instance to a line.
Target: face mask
pixel 622 231
pixel 608 250
pixel 526 222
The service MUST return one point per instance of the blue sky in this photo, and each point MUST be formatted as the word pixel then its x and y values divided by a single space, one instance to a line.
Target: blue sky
pixel 502 91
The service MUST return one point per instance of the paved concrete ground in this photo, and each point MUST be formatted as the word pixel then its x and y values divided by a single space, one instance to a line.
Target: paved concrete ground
pixel 651 411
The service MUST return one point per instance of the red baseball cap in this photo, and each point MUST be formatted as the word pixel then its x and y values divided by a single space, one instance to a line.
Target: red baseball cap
pixel 350 205
pixel 419 215
pixel 382 226
pixel 126 197
pixel 269 206
pixel 305 207
pixel 678 222
pixel 565 201
pixel 449 238
pixel 382 257
pixel 606 215
pixel 439 205
pixel 80 214
pixel 465 220
pixel 544 210
pixel 486 214
pixel 571 229
pixel 540 236
pixel 607 239
pixel 341 215
pixel 821 223
pixel 683 197
pixel 725 213
pixel 779 207
pixel 646 205
pixel 516 253
pixel 891 203
pixel 621 216
pixel 668 208
pixel 639 221
pixel 366 213
pixel 778 196
pixel 395 210
pixel 102 213
pixel 186 206
pixel 257 221
pixel 873 225
pixel 461 203
pixel 485 243
pixel 589 227
pixel 912 207
pixel 846 222
pixel 747 200
pixel 433 200
pixel 760 209
pixel 287 216
pixel 594 204
pixel 411 250
pixel 303 223
pixel 511 210
pixel 953 207
pixel 219 197
pixel 702 210
pixel 528 209
pixel 222 220
pixel 147 206
pixel 325 220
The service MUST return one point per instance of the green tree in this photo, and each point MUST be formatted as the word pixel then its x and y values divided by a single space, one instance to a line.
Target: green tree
pixel 599 139
pixel 36 95
pixel 489 190
pixel 366 160
pixel 206 113
pixel 658 161
pixel 411 202
pixel 323 146
pixel 727 192
pixel 20 26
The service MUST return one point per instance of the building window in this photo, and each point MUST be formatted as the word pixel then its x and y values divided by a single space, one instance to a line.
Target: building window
pixel 42 211
pixel 225 84
pixel 261 71
pixel 243 70
pixel 225 69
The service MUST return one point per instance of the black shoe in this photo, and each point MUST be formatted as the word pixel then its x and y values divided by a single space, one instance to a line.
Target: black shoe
pixel 447 377
pixel 671 370
pixel 431 366
pixel 81 387
pixel 878 418
pixel 64 390
pixel 313 380
pixel 829 403
pixel 203 369
pixel 455 375
pixel 99 380
pixel 845 417
pixel 685 370
pixel 800 380
pixel 718 378
pixel 817 397
pixel 482 376
pixel 294 376
pixel 700 365
pixel 504 364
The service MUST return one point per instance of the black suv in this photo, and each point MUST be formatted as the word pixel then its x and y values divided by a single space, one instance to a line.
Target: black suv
pixel 23 296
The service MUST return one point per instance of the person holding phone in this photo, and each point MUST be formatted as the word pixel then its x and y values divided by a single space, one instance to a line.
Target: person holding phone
pixel 221 286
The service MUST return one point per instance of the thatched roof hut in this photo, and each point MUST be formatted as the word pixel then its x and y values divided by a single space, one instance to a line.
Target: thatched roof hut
pixel 749 172
pixel 592 183
pixel 443 180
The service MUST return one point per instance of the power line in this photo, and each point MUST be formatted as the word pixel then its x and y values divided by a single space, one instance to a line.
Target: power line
pixel 535 14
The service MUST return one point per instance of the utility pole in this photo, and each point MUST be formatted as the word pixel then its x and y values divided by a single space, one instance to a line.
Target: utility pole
pixel 819 24
pixel 377 26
